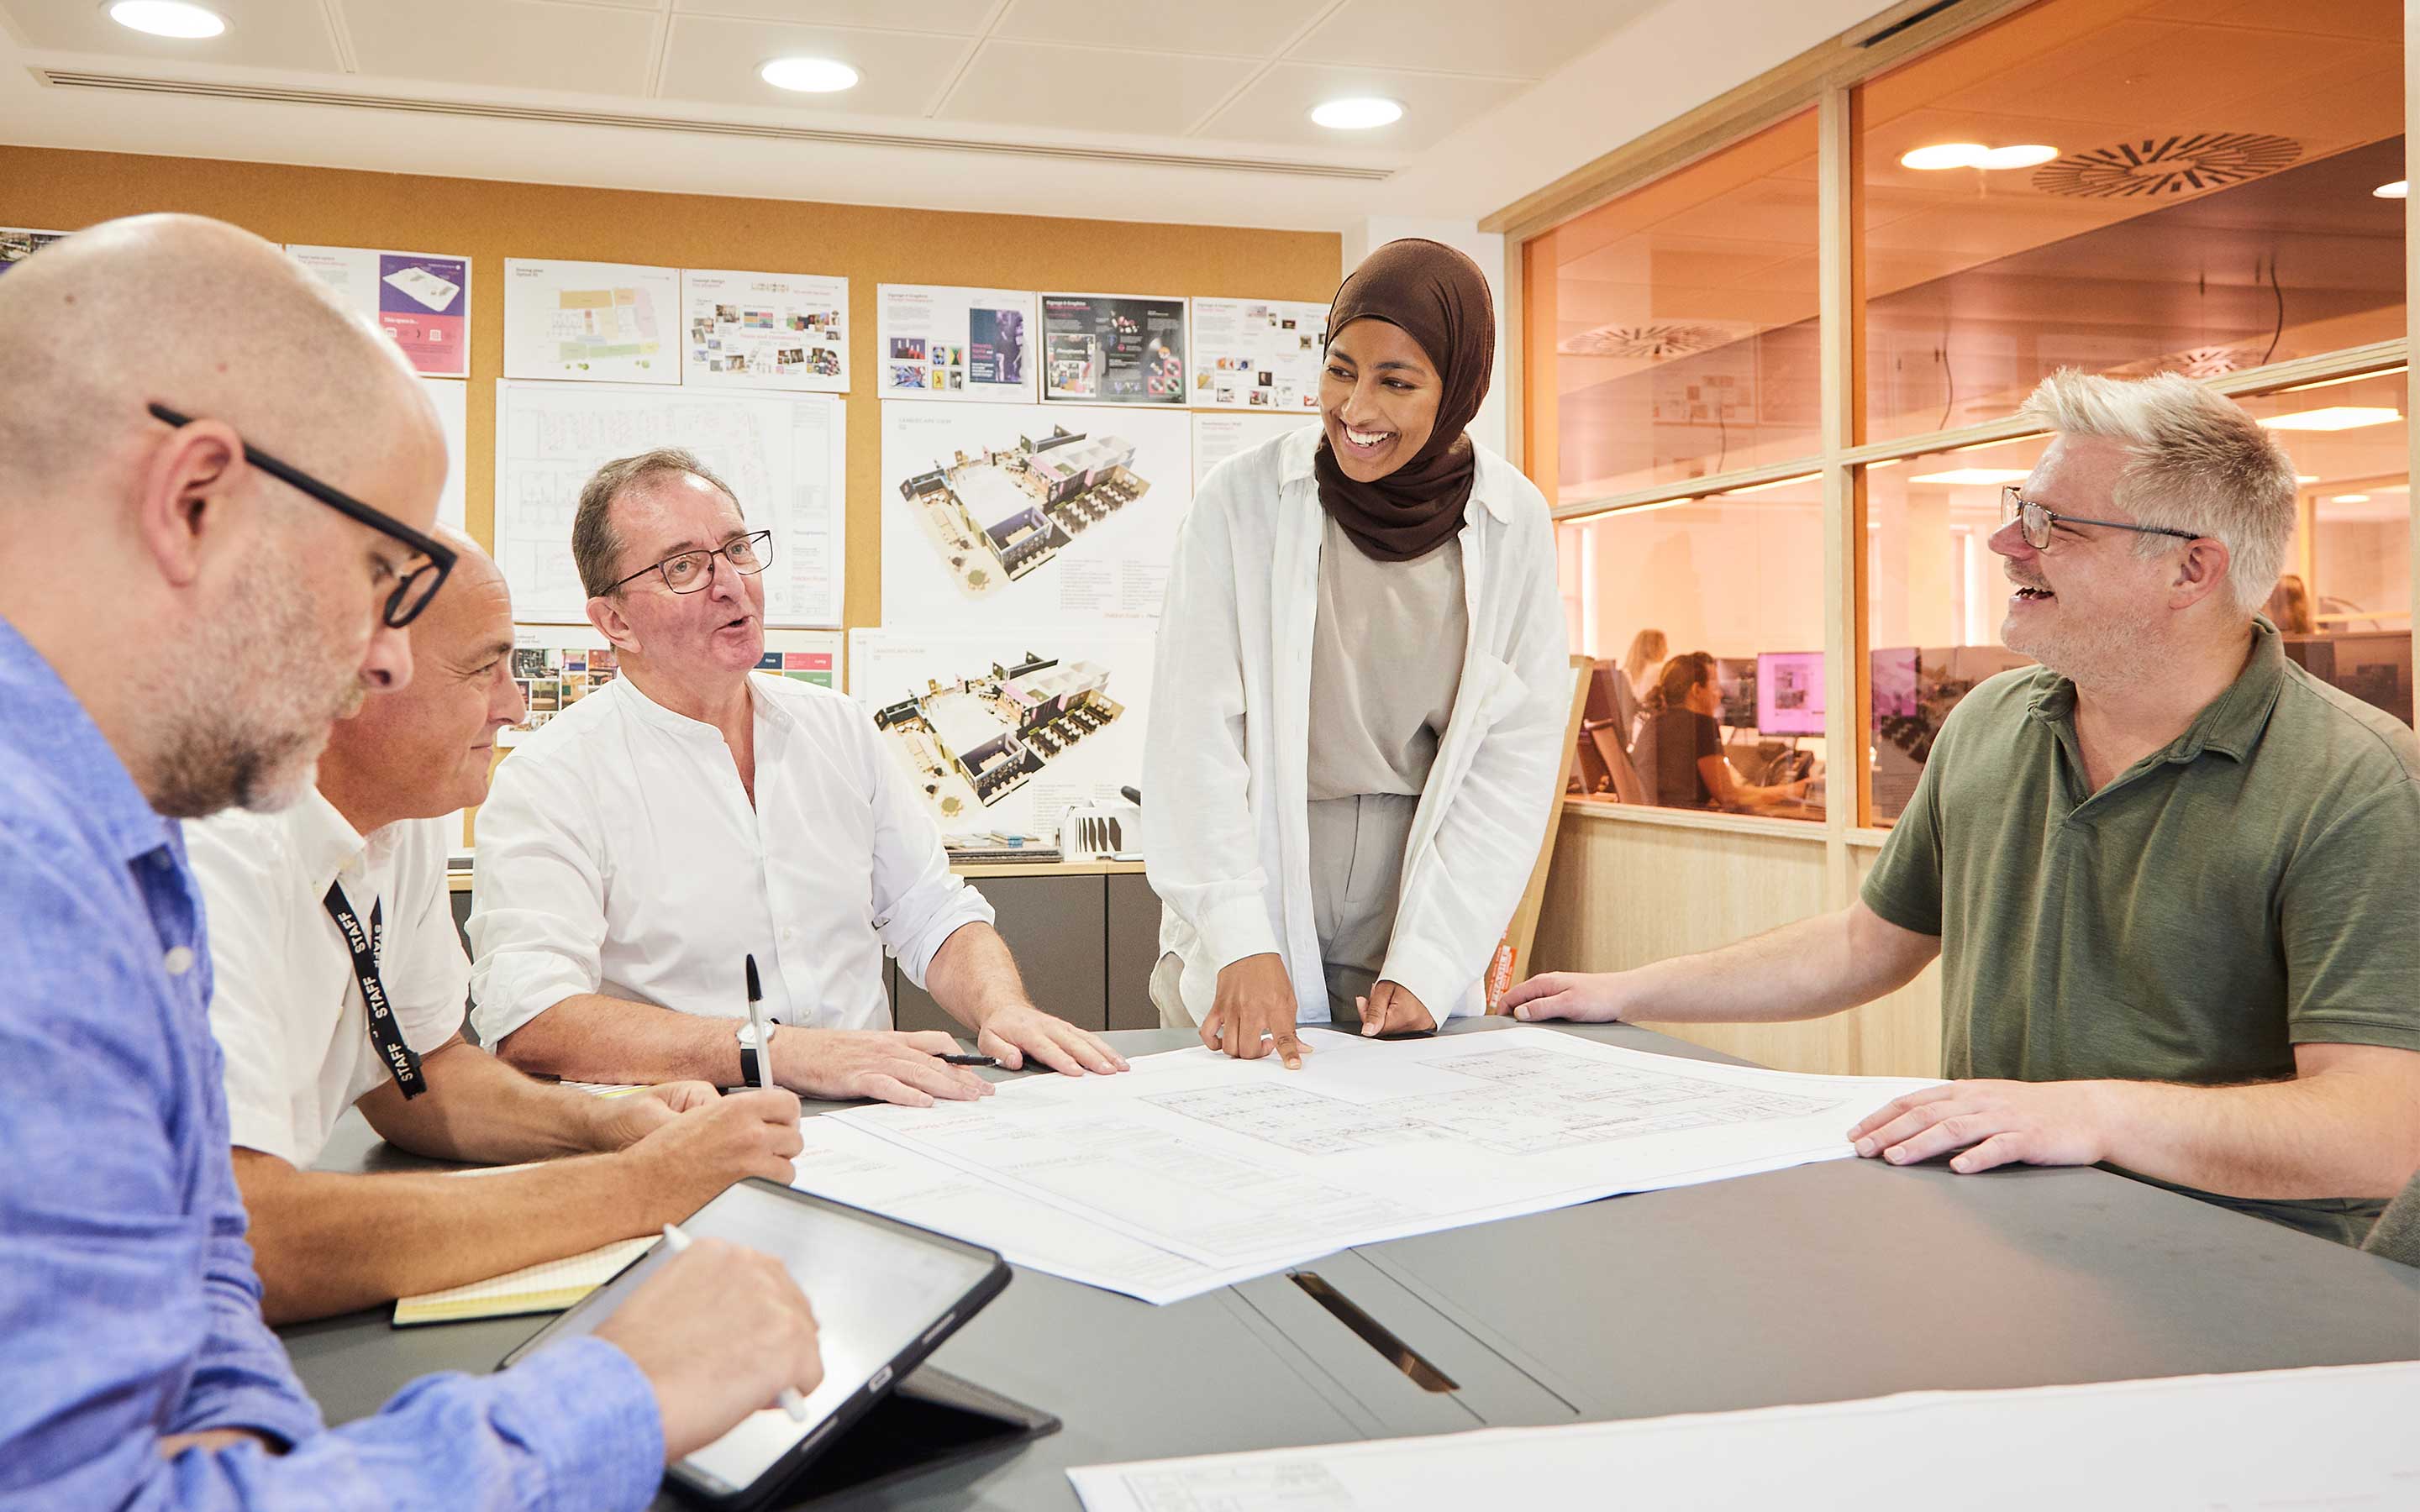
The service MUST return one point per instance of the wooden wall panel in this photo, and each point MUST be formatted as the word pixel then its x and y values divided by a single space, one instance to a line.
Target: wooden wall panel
pixel 490 221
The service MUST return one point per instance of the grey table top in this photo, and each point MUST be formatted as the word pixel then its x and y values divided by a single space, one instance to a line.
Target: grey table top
pixel 1828 1281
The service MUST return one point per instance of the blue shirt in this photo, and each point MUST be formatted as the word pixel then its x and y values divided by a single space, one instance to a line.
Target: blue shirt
pixel 127 1292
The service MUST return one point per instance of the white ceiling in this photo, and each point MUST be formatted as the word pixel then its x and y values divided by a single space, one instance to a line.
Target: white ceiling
pixel 1500 97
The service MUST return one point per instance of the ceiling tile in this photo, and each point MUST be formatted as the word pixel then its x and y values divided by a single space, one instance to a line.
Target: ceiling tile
pixel 962 18
pixel 261 33
pixel 1231 28
pixel 1526 38
pixel 522 44
pixel 899 73
pixel 1276 108
pixel 1093 89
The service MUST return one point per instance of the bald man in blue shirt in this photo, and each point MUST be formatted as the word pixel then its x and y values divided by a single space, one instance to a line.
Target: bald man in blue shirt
pixel 182 616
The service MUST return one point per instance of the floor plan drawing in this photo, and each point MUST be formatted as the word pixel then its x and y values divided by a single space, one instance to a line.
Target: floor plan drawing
pixel 995 515
pixel 973 741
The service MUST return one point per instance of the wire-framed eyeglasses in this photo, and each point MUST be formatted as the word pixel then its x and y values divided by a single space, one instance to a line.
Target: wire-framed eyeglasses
pixel 2041 518
pixel 414 588
pixel 685 572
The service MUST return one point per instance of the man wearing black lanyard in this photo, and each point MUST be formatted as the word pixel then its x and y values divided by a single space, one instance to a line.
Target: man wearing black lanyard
pixel 341 983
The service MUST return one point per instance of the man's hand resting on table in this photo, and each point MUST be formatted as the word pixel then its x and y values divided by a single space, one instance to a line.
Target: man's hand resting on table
pixel 1254 1013
pixel 884 1064
pixel 1015 1031
pixel 1582 996
pixel 717 1331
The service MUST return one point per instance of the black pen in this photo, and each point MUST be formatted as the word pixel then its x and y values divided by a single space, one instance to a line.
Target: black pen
pixel 756 1021
pixel 967 1060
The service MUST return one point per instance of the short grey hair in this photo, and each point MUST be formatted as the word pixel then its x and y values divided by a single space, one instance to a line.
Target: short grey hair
pixel 2196 462
pixel 596 545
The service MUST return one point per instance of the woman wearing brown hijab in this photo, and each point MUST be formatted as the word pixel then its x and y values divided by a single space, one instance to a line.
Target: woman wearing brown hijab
pixel 1357 713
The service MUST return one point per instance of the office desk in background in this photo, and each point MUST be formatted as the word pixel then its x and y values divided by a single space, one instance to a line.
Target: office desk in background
pixel 1828 1281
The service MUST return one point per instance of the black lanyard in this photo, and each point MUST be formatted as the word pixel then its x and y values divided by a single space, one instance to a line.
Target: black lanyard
pixel 399 1057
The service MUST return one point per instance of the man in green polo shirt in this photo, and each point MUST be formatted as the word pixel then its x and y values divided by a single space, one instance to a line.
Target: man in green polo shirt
pixel 2172 880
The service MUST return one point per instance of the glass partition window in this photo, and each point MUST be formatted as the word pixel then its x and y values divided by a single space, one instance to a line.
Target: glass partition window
pixel 2128 186
pixel 1738 578
pixel 1672 332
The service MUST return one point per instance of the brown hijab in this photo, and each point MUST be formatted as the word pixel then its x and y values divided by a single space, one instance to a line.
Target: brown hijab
pixel 1439 299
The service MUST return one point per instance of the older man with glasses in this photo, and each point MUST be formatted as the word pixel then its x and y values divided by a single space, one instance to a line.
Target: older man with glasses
pixel 181 621
pixel 690 832
pixel 2172 880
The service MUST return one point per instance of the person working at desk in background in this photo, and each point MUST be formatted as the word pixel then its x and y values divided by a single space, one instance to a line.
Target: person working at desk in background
pixel 2172 880
pixel 688 815
pixel 300 1043
pixel 182 618
pixel 1679 752
pixel 1363 615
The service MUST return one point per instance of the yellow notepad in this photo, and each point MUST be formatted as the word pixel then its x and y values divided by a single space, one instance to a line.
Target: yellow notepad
pixel 537 1289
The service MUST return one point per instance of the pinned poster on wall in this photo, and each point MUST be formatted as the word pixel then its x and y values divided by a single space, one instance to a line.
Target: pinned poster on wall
pixel 765 331
pixel 452 398
pixel 422 300
pixel 1258 354
pixel 1114 348
pixel 1056 516
pixel 608 322
pixel 1218 437
pixel 17 244
pixel 940 341
pixel 1002 732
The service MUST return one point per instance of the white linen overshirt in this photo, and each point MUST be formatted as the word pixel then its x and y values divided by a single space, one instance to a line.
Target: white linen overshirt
pixel 1225 784
pixel 618 854
pixel 286 1008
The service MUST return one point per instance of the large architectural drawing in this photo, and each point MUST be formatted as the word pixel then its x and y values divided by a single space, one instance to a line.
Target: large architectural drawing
pixel 972 742
pixel 996 515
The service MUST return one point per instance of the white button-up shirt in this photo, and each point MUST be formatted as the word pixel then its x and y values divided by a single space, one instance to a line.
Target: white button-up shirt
pixel 287 1009
pixel 618 854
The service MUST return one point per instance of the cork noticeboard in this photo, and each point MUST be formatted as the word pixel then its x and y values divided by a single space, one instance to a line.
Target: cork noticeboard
pixel 490 221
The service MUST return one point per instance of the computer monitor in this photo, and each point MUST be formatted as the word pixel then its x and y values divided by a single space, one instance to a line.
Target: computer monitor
pixel 1790 692
pixel 2374 666
pixel 1735 680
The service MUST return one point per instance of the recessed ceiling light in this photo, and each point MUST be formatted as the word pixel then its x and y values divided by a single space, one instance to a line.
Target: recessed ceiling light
pixel 1946 155
pixel 1973 477
pixel 168 18
pixel 1358 114
pixel 809 75
pixel 2397 190
pixel 2306 477
pixel 2349 498
pixel 2018 156
pixel 2337 417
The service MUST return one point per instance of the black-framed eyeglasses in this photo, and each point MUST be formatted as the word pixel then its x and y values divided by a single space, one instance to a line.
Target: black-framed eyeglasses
pixel 414 588
pixel 2039 519
pixel 685 572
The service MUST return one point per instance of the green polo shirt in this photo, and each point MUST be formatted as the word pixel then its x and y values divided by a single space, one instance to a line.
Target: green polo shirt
pixel 2253 887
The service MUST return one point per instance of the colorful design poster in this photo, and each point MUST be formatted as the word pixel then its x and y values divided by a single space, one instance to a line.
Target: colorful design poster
pixel 939 342
pixel 1114 348
pixel 1258 354
pixel 782 455
pixel 17 245
pixel 765 331
pixel 422 300
pixel 608 322
pixel 1033 516
pixel 1003 732
pixel 1218 437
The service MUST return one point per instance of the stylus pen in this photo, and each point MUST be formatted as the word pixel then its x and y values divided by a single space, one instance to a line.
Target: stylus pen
pixel 967 1060
pixel 792 1402
pixel 764 1034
